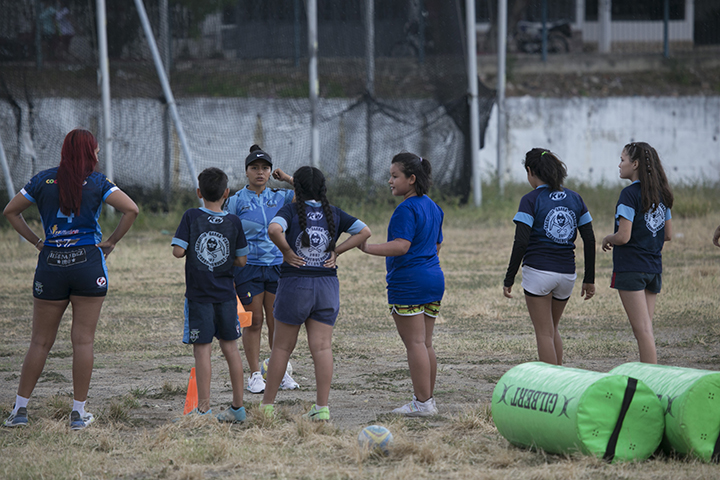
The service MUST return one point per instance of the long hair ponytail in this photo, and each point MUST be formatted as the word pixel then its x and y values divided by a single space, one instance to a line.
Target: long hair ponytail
pixel 546 166
pixel 654 186
pixel 310 185
pixel 77 162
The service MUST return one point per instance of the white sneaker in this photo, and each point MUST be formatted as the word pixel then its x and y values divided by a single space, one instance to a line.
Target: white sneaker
pixel 417 409
pixel 256 384
pixel 288 383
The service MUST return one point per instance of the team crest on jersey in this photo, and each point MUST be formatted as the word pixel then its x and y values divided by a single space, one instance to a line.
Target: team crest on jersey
pixel 215 219
pixel 212 249
pixel 194 334
pixel 655 219
pixel 315 215
pixel 557 196
pixel 38 288
pixel 560 224
pixel 314 255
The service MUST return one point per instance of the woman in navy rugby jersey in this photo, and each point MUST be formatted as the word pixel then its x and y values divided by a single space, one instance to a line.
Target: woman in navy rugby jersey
pixel 71 266
pixel 256 283
pixel 547 224
pixel 642 226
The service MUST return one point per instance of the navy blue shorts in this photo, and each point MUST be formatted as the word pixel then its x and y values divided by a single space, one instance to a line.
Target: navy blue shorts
pixel 252 280
pixel 203 321
pixel 634 281
pixel 300 298
pixel 62 272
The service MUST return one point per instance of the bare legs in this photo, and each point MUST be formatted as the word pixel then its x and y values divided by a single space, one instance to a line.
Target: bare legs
pixel 320 344
pixel 416 333
pixel 640 308
pixel 252 334
pixel 203 371
pixel 545 313
pixel 46 321
pixel 235 366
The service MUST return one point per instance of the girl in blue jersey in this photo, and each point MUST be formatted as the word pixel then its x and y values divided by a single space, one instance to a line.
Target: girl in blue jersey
pixel 256 283
pixel 547 223
pixel 415 282
pixel 71 265
pixel 642 226
pixel 306 233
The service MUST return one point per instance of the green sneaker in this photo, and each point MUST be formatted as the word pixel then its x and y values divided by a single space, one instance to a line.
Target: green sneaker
pixel 267 410
pixel 318 414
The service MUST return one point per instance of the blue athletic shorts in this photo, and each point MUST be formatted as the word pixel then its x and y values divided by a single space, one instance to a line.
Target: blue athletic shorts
pixel 634 281
pixel 203 321
pixel 300 298
pixel 252 280
pixel 62 272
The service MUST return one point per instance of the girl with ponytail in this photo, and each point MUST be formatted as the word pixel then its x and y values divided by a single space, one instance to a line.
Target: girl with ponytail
pixel 642 226
pixel 306 232
pixel 415 282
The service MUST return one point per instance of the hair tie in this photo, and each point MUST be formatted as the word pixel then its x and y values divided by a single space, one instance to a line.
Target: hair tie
pixel 543 153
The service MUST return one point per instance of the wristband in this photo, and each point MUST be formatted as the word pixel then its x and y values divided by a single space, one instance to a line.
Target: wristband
pixel 39 240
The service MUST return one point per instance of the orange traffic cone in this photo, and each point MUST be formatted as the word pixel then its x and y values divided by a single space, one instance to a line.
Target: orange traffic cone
pixel 244 317
pixel 191 399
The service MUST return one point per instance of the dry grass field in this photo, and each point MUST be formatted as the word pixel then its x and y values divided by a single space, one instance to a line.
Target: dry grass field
pixel 142 367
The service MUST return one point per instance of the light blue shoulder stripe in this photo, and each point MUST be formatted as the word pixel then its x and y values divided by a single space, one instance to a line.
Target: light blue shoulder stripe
pixel 625 212
pixel 586 218
pixel 180 243
pixel 525 218
pixel 242 252
pixel 27 195
pixel 280 221
pixel 107 194
pixel 356 227
pixel 668 215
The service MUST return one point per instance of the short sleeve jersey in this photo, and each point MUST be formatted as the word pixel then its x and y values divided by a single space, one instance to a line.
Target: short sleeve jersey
pixel 643 252
pixel 256 211
pixel 317 228
pixel 416 277
pixel 211 240
pixel 69 230
pixel 553 217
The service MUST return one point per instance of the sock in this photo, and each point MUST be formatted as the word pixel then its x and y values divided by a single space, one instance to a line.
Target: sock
pixel 20 402
pixel 232 406
pixel 79 407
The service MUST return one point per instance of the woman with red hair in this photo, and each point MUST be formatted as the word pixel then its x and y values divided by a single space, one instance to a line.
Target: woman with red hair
pixel 71 266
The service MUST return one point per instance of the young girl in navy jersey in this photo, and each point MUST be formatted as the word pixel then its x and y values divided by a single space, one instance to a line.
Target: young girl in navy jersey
pixel 642 226
pixel 547 223
pixel 71 267
pixel 306 232
pixel 415 281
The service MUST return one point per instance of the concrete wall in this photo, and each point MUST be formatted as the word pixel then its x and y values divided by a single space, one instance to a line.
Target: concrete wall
pixel 589 133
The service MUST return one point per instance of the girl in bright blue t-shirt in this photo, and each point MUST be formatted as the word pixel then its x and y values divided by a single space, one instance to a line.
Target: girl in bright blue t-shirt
pixel 642 226
pixel 415 281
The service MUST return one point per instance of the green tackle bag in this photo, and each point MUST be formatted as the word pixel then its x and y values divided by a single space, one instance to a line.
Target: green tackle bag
pixel 567 410
pixel 691 402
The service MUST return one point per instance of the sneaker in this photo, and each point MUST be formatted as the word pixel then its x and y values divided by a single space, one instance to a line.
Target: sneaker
pixel 18 419
pixel 431 398
pixel 288 383
pixel 417 409
pixel 318 414
pixel 267 410
pixel 256 384
pixel 232 415
pixel 77 422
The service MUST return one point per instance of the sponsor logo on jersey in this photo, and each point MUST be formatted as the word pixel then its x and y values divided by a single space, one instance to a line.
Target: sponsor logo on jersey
pixel 271 203
pixel 315 215
pixel 101 282
pixel 557 196
pixel 212 249
pixel 655 219
pixel 50 181
pixel 314 255
pixel 215 219
pixel 560 224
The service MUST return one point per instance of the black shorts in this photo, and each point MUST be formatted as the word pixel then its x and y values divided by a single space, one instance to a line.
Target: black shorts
pixel 634 281
pixel 252 280
pixel 62 272
pixel 203 321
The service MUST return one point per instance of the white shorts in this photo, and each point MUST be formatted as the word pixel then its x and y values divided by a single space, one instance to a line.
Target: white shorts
pixel 541 283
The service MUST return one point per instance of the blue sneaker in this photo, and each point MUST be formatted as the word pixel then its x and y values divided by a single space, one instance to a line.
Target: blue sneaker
pixel 232 415
pixel 78 422
pixel 195 411
pixel 18 419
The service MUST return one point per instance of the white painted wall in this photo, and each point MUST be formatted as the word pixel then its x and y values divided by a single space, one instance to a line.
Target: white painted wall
pixel 588 134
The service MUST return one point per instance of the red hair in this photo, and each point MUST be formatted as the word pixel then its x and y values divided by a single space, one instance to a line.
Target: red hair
pixel 77 162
